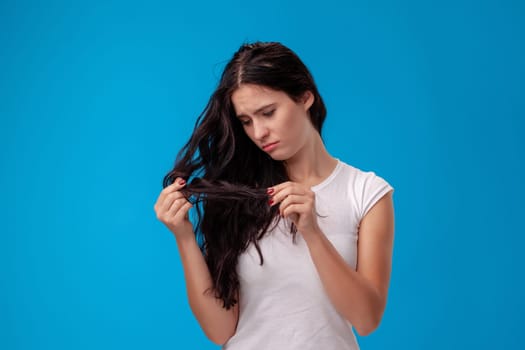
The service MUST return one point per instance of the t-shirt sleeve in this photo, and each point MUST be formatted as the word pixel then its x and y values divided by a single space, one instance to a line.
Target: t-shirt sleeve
pixel 373 188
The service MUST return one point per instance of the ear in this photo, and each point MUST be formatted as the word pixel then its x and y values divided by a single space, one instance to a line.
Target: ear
pixel 308 100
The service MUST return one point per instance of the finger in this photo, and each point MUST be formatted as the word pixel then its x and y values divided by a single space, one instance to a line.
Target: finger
pixel 292 199
pixel 175 186
pixel 282 184
pixel 292 189
pixel 182 213
pixel 292 209
pixel 169 199
pixel 276 188
pixel 176 200
pixel 172 211
pixel 280 194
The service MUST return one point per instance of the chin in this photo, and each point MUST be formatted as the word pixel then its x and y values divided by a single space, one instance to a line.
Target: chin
pixel 279 156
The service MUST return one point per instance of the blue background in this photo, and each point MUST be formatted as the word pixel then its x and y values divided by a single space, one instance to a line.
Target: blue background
pixel 97 98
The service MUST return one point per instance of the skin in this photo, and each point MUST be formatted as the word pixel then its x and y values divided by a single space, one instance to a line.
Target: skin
pixel 359 295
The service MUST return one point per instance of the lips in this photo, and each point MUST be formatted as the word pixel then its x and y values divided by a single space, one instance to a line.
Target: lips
pixel 269 145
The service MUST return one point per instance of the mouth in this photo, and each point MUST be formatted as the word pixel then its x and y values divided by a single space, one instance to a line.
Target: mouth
pixel 270 146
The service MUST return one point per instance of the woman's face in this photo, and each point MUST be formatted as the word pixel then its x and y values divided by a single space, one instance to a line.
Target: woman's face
pixel 273 121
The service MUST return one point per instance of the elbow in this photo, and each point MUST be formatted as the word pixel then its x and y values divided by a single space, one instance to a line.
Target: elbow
pixel 364 331
pixel 367 328
pixel 371 321
pixel 217 341
pixel 218 338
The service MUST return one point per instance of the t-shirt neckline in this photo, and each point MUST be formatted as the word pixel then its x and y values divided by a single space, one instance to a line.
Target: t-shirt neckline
pixel 329 178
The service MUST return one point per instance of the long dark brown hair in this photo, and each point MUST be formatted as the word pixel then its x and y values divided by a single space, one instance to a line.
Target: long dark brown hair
pixel 226 173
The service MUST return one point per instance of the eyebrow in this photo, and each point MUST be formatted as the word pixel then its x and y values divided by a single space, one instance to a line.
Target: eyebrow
pixel 258 110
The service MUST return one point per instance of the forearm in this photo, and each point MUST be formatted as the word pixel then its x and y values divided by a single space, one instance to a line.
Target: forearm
pixel 217 323
pixel 352 295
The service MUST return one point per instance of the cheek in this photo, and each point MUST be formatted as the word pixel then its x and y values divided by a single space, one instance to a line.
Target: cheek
pixel 249 133
pixel 289 123
pixel 294 125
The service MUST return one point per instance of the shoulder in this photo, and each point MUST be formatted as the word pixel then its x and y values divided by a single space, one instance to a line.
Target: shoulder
pixel 365 187
pixel 356 178
pixel 359 177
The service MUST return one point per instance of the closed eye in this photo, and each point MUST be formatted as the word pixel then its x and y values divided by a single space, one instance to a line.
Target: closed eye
pixel 269 113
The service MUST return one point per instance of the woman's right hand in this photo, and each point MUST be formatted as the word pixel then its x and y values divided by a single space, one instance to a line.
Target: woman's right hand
pixel 172 209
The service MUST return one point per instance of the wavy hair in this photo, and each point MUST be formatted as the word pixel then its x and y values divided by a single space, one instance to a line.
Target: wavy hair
pixel 227 174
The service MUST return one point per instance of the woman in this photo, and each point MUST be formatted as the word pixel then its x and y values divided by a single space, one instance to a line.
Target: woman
pixel 278 265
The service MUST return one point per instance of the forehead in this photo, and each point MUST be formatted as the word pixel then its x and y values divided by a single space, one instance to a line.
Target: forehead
pixel 249 97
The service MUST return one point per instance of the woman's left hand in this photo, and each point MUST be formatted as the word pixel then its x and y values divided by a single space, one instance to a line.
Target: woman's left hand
pixel 297 203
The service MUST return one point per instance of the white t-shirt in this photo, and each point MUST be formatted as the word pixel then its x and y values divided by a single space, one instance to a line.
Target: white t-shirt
pixel 282 303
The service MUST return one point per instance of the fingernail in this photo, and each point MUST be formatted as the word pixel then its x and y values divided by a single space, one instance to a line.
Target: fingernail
pixel 270 201
pixel 269 191
pixel 182 182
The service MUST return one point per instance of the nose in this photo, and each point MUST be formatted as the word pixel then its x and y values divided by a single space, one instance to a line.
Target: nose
pixel 260 130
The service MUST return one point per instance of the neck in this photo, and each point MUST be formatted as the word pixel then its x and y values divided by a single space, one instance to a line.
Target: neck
pixel 311 164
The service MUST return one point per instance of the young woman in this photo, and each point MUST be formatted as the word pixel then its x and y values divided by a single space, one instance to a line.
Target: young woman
pixel 292 247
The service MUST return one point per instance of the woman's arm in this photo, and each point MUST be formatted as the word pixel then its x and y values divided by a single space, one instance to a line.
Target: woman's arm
pixel 360 296
pixel 172 209
pixel 217 323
